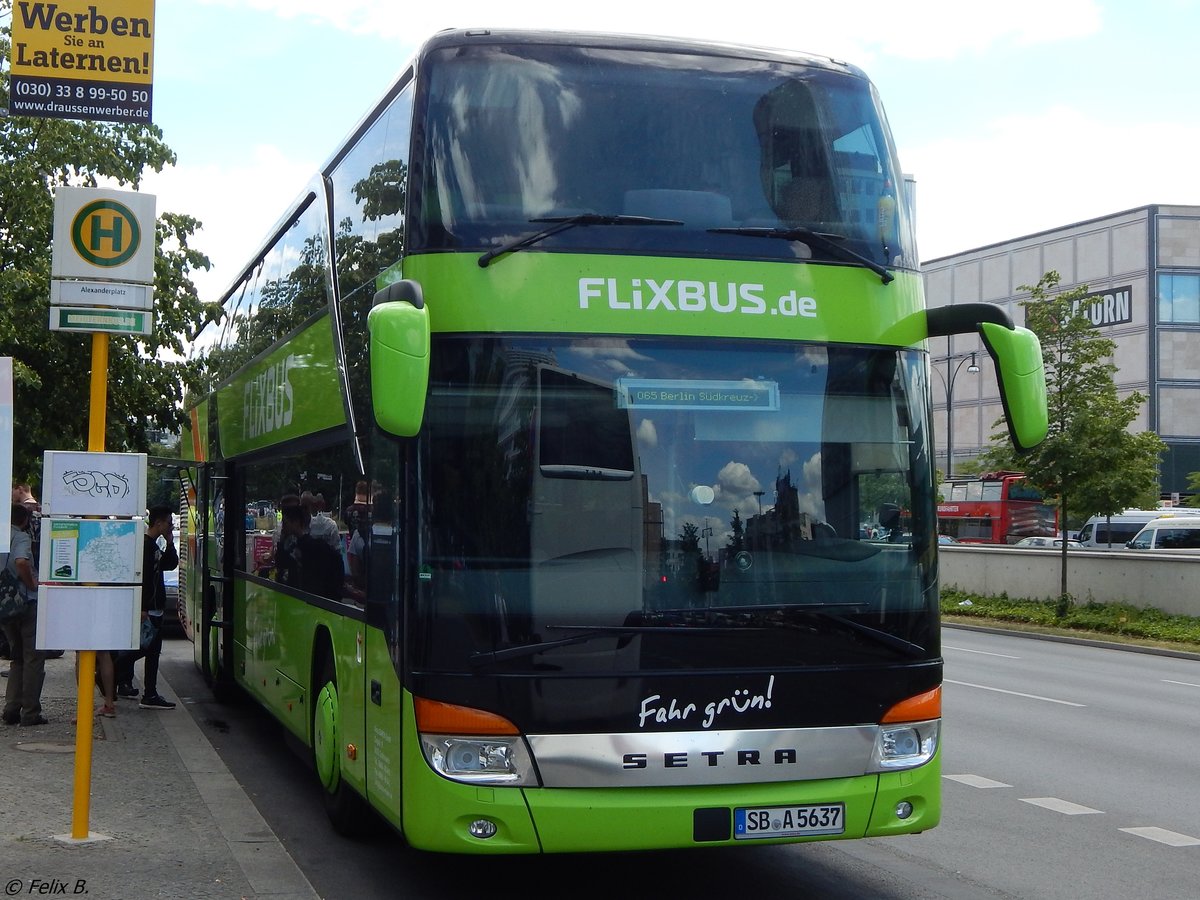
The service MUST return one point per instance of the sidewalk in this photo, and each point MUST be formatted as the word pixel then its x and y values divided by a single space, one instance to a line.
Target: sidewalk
pixel 166 817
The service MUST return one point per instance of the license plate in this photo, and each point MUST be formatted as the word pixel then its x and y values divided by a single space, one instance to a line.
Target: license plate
pixel 789 821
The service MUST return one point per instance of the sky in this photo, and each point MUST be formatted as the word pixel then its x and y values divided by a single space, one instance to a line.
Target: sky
pixel 1013 117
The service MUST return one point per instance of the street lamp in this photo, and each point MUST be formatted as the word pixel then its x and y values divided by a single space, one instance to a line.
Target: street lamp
pixel 949 384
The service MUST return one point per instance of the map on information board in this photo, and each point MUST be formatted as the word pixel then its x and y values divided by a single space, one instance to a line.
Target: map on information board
pixel 91 551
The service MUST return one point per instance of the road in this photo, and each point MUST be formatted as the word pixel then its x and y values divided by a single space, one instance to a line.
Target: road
pixel 1069 772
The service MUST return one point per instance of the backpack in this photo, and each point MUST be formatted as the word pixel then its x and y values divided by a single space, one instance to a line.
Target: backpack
pixel 12 598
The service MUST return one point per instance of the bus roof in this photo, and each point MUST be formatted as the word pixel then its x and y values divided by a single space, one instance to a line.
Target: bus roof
pixel 616 40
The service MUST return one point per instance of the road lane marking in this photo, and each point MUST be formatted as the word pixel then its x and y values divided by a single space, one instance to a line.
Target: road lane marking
pixel 980 652
pixel 984 687
pixel 1066 807
pixel 977 781
pixel 1170 838
pixel 1184 683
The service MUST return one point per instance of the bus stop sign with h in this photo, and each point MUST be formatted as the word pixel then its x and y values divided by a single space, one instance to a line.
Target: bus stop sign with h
pixel 102 277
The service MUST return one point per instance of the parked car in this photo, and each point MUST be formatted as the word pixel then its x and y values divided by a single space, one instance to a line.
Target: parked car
pixel 1113 532
pixel 1047 542
pixel 946 539
pixel 172 626
pixel 1179 534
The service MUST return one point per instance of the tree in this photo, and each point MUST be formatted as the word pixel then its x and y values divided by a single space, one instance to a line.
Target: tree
pixel 146 374
pixel 737 533
pixel 882 490
pixel 1194 487
pixel 689 539
pixel 1089 461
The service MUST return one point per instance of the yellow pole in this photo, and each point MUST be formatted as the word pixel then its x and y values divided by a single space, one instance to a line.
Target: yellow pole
pixel 87 658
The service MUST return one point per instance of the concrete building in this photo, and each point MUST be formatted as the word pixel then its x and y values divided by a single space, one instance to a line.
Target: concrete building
pixel 1142 270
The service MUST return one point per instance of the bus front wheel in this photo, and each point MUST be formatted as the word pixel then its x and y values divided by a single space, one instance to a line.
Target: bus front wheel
pixel 342 804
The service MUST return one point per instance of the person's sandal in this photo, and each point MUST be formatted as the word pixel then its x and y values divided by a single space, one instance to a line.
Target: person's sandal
pixel 108 711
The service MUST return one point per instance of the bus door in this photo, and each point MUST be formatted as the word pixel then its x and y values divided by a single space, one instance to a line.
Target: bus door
pixel 381 641
pixel 214 625
pixel 181 601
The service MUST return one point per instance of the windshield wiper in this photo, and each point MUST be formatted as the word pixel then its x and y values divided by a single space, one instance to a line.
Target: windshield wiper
pixel 887 639
pixel 827 242
pixel 591 632
pixel 562 223
pixel 825 613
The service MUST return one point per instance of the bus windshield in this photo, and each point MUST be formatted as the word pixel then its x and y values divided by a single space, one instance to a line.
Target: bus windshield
pixel 521 135
pixel 602 504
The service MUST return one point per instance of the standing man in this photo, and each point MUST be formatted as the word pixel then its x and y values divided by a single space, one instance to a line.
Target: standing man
pixel 155 560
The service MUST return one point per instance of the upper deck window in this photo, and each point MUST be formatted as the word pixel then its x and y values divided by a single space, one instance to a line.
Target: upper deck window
pixel 517 133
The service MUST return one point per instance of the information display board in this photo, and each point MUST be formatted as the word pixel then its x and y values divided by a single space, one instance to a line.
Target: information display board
pixel 78 483
pixel 91 551
pixel 89 618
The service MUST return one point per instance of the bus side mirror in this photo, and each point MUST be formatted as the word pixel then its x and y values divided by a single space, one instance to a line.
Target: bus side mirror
pixel 399 328
pixel 1017 354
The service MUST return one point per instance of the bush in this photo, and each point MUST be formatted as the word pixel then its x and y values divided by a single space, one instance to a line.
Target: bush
pixel 1120 619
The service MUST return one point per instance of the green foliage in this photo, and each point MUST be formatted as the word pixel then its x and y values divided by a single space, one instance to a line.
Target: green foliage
pixel 146 376
pixel 689 538
pixel 1122 619
pixel 1194 487
pixel 737 533
pixel 882 489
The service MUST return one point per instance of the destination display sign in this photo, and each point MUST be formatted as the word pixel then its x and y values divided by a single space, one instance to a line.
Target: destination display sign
pixel 670 393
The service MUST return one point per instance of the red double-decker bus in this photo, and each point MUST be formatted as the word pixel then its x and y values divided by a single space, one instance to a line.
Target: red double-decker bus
pixel 994 508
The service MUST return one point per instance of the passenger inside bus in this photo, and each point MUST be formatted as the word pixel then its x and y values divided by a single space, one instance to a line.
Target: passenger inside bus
pixel 303 561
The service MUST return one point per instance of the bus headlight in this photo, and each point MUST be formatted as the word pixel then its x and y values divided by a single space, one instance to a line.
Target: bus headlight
pixel 478 760
pixel 905 745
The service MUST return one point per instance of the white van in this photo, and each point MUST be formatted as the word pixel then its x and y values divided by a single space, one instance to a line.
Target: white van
pixel 1180 534
pixel 1115 531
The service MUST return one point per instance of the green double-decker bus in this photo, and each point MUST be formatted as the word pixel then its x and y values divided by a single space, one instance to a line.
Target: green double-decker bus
pixel 551 480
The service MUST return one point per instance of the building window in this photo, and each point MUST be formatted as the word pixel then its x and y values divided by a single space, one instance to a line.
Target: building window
pixel 1179 299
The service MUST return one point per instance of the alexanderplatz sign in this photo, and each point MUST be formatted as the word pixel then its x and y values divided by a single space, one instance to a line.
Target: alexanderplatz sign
pixel 103 265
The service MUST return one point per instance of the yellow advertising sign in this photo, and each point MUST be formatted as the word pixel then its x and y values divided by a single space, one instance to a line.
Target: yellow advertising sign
pixel 83 60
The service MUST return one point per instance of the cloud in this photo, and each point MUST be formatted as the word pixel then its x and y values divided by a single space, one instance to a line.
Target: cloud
pixel 647 434
pixel 923 29
pixel 948 29
pixel 236 205
pixel 736 484
pixel 1047 169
